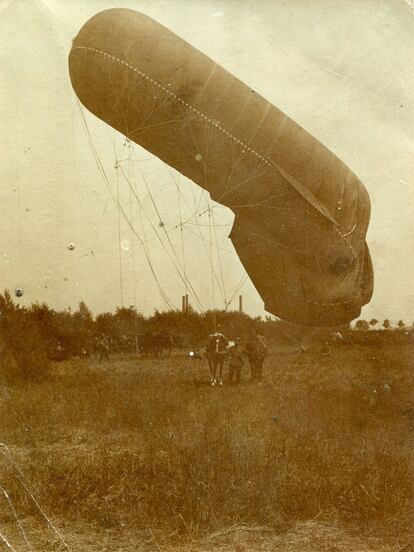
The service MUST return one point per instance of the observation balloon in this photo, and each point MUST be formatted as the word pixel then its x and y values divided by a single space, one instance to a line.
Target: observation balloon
pixel 301 215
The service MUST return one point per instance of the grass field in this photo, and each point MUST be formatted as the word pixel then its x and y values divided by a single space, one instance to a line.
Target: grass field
pixel 144 455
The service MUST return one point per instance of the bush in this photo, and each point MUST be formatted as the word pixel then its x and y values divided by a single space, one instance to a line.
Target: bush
pixel 24 351
pixel 9 369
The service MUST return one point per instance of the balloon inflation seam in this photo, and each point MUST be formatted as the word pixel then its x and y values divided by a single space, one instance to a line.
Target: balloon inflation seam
pixel 215 124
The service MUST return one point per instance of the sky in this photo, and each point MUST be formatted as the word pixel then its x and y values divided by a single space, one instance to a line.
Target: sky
pixel 342 70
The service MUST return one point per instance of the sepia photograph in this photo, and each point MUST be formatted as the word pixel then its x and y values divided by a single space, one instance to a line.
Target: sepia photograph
pixel 207 276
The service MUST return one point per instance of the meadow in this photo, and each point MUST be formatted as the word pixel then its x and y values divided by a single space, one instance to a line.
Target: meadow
pixel 142 454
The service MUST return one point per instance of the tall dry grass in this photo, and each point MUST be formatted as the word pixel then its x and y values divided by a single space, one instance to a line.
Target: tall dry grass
pixel 147 444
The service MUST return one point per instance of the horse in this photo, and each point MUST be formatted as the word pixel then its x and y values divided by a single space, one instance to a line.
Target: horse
pixel 216 351
pixel 146 343
pixel 256 350
pixel 155 343
pixel 165 343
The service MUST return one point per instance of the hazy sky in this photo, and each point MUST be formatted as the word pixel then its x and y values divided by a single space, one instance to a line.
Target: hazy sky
pixel 343 70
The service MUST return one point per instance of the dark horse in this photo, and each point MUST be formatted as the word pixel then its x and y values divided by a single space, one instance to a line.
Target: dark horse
pixel 256 350
pixel 216 351
pixel 155 343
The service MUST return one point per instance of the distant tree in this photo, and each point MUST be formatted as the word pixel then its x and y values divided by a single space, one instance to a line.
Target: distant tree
pixel 401 324
pixel 362 325
pixel 24 334
pixel 105 324
pixel 84 328
pixel 373 322
pixel 85 313
pixel 128 321
pixel 7 303
pixel 386 324
pixel 44 319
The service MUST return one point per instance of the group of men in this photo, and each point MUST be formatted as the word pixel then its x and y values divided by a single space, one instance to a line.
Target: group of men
pixel 219 349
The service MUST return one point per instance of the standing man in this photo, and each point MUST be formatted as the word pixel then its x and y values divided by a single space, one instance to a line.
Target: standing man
pixel 236 361
pixel 103 348
pixel 251 355
pixel 261 352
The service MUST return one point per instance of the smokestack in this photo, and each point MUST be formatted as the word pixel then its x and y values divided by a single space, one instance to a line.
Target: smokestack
pixel 183 303
pixel 240 303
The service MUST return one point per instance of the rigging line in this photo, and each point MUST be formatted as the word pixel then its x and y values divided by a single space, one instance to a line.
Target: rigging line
pixel 140 217
pixel 45 269
pixel 161 241
pixel 108 185
pixel 181 233
pixel 219 261
pixel 162 224
pixel 180 194
pixel 134 191
pixel 194 214
pixel 205 239
pixel 131 214
pixel 106 181
pixel 211 257
pixel 197 201
pixel 79 256
pixel 200 213
pixel 206 225
pixel 239 286
pixel 168 239
pixel 200 233
pixel 236 161
pixel 140 211
pixel 99 226
pixel 140 160
pixel 221 290
pixel 119 230
pixel 209 209
pixel 157 234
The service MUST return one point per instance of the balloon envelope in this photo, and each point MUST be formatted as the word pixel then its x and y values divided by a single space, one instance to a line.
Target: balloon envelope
pixel 301 215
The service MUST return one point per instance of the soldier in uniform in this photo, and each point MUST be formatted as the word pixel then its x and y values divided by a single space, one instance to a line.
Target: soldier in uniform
pixel 103 348
pixel 261 352
pixel 236 361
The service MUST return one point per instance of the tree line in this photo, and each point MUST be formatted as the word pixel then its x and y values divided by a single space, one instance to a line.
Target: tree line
pixel 31 337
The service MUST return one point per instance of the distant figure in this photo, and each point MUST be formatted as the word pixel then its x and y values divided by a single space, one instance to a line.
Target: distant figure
pixel 256 350
pixel 165 343
pixel 216 351
pixel 59 351
pixel 261 355
pixel 326 349
pixel 236 361
pixel 103 348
